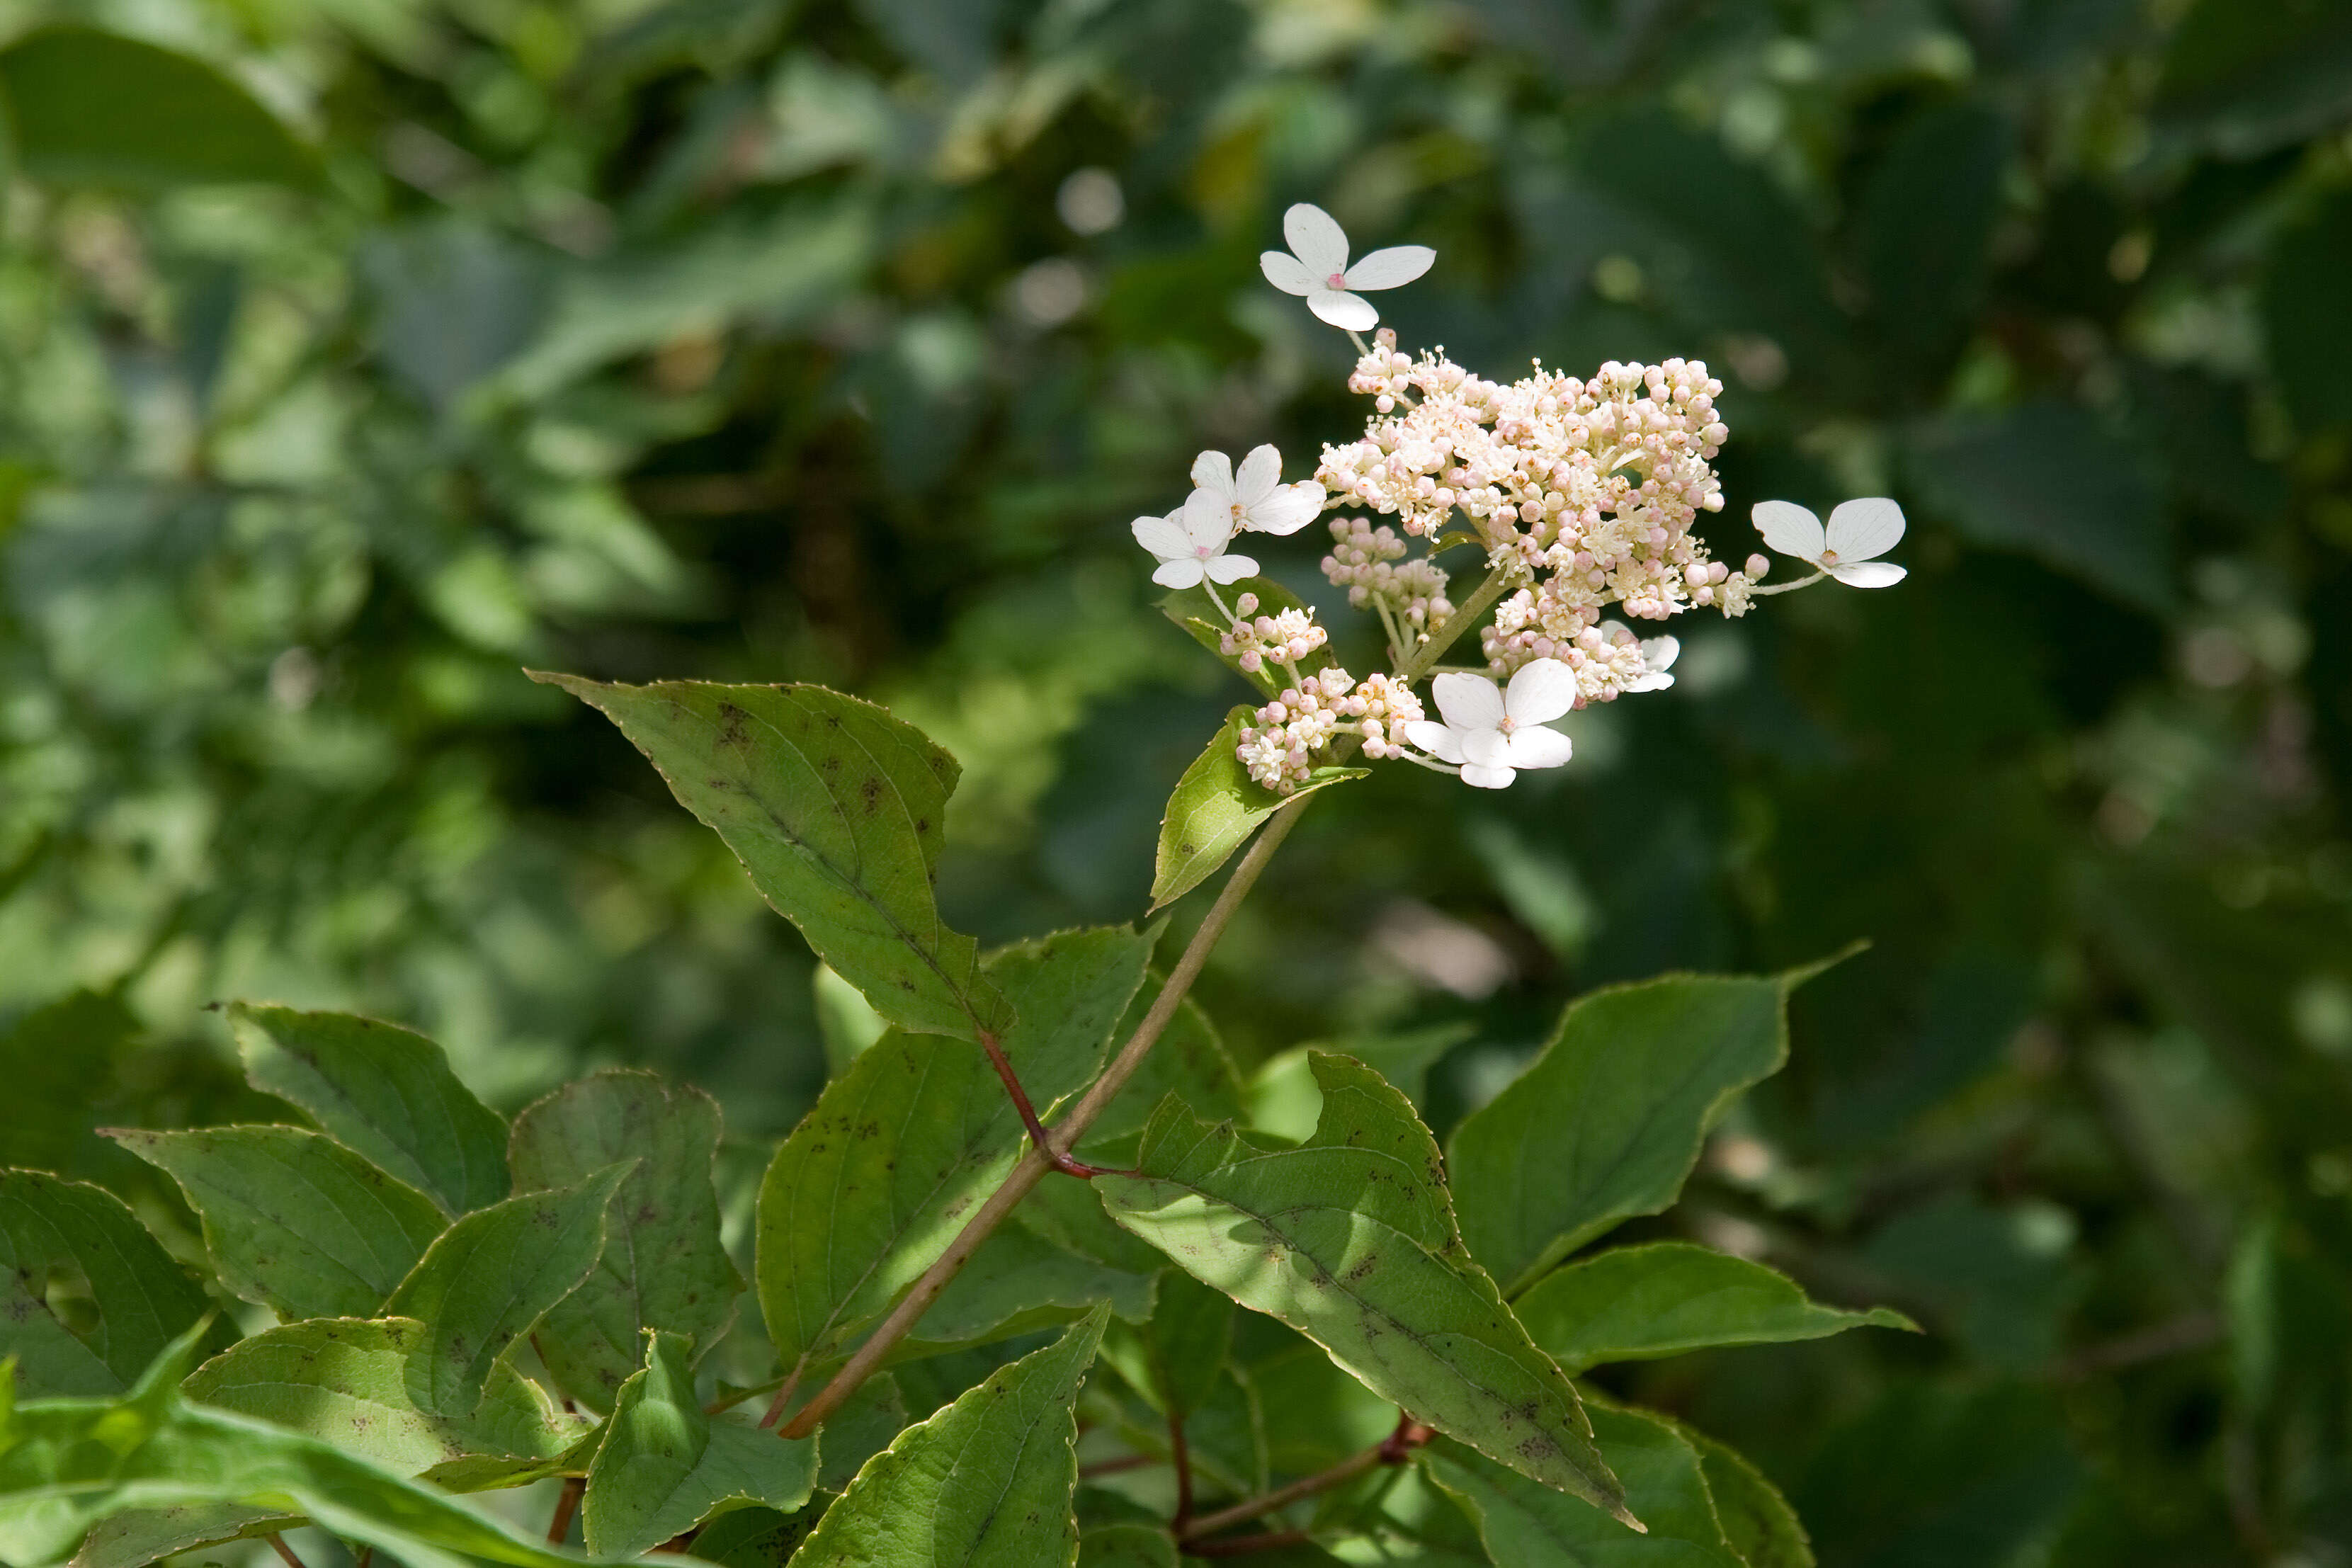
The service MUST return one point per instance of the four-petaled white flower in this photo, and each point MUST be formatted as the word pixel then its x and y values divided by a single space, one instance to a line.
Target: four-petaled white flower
pixel 1190 543
pixel 1658 656
pixel 1255 498
pixel 1859 532
pixel 1492 732
pixel 1317 266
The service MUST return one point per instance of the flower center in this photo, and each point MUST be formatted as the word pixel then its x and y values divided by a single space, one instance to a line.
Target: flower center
pixel 1337 280
pixel 1507 726
pixel 1828 557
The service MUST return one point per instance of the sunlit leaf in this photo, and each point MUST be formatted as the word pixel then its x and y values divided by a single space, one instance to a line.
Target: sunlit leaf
pixel 985 1483
pixel 1349 1238
pixel 1215 806
pixel 360 1385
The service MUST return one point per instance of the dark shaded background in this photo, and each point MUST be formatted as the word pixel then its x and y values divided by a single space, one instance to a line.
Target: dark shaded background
pixel 757 342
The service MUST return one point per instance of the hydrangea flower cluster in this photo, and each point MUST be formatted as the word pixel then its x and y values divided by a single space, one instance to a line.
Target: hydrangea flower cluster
pixel 1581 495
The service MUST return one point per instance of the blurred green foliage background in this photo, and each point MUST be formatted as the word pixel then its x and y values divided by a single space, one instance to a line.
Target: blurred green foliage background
pixel 407 342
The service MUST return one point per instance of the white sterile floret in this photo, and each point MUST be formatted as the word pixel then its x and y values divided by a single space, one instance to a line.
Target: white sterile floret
pixel 1254 498
pixel 1190 543
pixel 1658 656
pixel 1317 266
pixel 1859 532
pixel 1493 732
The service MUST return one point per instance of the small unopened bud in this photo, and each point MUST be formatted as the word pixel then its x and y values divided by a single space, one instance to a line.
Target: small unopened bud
pixel 1758 565
pixel 1245 604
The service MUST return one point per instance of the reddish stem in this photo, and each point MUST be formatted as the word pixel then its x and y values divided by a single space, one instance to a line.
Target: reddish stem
pixel 561 1525
pixel 1243 1545
pixel 1037 1135
pixel 1179 1456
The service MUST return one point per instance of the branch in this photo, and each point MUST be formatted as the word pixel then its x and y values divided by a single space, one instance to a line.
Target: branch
pixel 561 1525
pixel 1038 1162
pixel 1395 1449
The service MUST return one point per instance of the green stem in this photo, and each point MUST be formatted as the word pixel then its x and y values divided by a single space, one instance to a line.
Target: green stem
pixel 1465 616
pixel 1037 1164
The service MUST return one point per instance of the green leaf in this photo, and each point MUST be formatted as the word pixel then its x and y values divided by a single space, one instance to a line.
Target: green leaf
pixel 1525 1523
pixel 1926 227
pixel 1020 1281
pixel 168 120
pixel 1176 1359
pixel 140 1536
pixel 838 811
pixel 56 1060
pixel 383 1091
pixel 2307 311
pixel 293 1220
pixel 360 1385
pixel 134 1299
pixel 1608 1122
pixel 1757 1520
pixel 1283 1096
pixel 860 1429
pixel 1217 805
pixel 1192 609
pixel 66 1464
pixel 663 1266
pixel 2049 481
pixel 1126 1546
pixel 753 1537
pixel 664 1466
pixel 1636 1303
pixel 2246 79
pixel 1349 1238
pixel 491 1277
pixel 877 1179
pixel 985 1483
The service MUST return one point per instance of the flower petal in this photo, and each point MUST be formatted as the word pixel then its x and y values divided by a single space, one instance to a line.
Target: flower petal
pixel 1436 739
pixel 1259 473
pixel 1290 274
pixel 1486 748
pixel 1658 654
pixel 1208 520
pixel 1351 311
pixel 1317 239
pixel 1542 690
pixel 1789 529
pixel 1164 536
pixel 1183 573
pixel 1536 747
pixel 1869 574
pixel 1486 778
pixel 1865 530
pixel 1287 509
pixel 1469 701
pixel 1230 568
pixel 1214 471
pixel 1391 269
